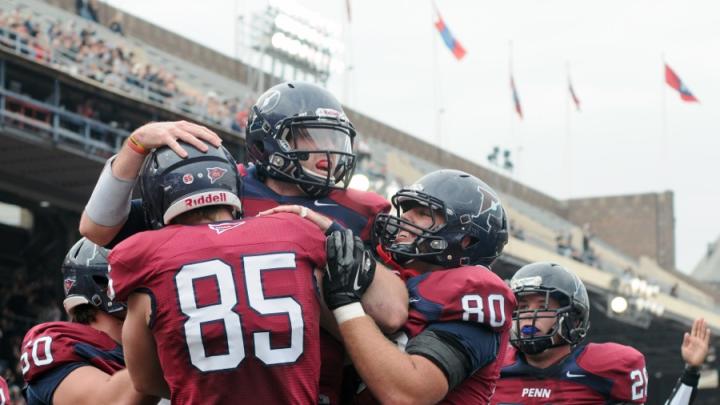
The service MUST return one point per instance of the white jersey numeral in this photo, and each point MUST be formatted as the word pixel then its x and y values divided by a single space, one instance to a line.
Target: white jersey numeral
pixel 473 306
pixel 640 380
pixel 39 357
pixel 222 311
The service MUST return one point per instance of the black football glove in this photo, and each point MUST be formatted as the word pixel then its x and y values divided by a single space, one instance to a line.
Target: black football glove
pixel 350 269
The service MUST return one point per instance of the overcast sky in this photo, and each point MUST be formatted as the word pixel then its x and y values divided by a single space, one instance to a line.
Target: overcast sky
pixel 402 75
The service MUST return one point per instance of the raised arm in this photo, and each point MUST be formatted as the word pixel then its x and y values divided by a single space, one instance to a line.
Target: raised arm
pixel 694 349
pixel 108 208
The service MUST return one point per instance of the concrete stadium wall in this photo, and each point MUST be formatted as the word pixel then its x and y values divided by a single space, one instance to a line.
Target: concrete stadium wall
pixel 639 225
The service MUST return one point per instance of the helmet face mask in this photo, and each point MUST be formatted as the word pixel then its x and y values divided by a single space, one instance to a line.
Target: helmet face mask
pixel 85 275
pixel 298 133
pixel 314 155
pixel 468 227
pixel 564 299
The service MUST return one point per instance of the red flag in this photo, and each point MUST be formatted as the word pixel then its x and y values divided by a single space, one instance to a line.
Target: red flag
pixel 450 41
pixel 673 80
pixel 516 98
pixel 572 94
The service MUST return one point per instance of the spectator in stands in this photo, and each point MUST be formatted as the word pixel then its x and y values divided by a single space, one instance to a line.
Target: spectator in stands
pixel 587 236
pixel 115 24
pixel 87 9
pixel 564 244
pixel 86 109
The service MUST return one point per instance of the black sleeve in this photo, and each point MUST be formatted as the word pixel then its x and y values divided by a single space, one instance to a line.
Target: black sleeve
pixel 685 388
pixel 135 223
pixel 459 349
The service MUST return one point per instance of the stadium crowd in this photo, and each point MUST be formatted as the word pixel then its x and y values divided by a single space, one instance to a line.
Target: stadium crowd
pixel 77 48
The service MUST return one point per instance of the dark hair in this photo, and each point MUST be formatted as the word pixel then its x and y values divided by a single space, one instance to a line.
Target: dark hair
pixel 202 213
pixel 84 314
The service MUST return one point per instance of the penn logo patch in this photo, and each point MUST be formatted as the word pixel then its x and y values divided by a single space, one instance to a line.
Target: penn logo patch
pixel 215 173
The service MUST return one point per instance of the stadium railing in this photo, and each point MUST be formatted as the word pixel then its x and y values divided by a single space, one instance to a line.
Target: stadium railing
pixel 60 126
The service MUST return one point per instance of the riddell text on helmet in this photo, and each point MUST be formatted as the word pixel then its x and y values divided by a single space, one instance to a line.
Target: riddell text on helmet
pixel 205 199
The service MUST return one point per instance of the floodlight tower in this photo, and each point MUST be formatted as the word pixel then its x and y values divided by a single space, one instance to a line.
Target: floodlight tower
pixel 291 42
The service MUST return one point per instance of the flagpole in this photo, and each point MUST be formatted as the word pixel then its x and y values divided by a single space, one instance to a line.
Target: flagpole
pixel 436 79
pixel 348 85
pixel 663 126
pixel 568 135
pixel 512 112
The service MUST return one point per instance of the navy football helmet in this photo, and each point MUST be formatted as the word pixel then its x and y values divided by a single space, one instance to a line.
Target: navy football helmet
pixel 85 278
pixel 171 185
pixel 298 132
pixel 572 318
pixel 471 210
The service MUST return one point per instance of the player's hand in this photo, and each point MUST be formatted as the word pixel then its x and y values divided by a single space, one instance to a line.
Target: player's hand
pixel 320 220
pixel 696 344
pixel 157 134
pixel 350 269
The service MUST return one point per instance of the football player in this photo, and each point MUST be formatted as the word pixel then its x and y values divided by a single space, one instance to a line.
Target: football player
pixel 694 350
pixel 4 392
pixel 227 309
pixel 449 228
pixel 300 143
pixel 547 363
pixel 80 362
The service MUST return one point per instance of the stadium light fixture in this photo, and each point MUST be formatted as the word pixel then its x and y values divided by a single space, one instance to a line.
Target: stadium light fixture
pixel 360 182
pixel 297 37
pixel 619 304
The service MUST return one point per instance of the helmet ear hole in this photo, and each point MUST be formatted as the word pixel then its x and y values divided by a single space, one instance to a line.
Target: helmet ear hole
pixel 469 241
pixel 100 281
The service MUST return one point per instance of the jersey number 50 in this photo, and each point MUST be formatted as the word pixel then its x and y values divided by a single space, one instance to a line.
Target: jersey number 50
pixel 223 312
pixel 39 358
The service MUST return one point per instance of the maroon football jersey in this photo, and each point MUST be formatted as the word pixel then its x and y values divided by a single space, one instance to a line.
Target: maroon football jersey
pixel 353 209
pixel 235 306
pixel 592 374
pixel 4 392
pixel 55 344
pixel 467 294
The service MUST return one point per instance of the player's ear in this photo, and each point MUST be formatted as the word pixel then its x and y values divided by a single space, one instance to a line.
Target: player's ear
pixel 466 241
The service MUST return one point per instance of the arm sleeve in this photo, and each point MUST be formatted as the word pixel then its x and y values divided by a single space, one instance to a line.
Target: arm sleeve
pixel 135 223
pixel 459 349
pixel 41 392
pixel 685 388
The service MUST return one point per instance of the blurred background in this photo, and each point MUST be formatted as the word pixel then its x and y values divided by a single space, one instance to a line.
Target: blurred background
pixel 595 121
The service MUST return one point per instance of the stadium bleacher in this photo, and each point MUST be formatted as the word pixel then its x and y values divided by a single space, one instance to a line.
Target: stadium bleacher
pixel 150 73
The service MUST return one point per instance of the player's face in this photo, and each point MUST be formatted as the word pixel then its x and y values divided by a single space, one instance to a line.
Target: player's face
pixel 545 318
pixel 423 218
pixel 321 139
